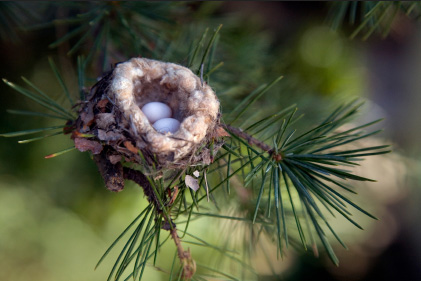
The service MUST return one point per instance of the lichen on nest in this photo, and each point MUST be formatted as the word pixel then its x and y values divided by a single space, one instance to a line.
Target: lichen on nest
pixel 111 117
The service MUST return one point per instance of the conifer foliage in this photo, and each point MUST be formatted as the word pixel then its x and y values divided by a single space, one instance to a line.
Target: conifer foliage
pixel 294 181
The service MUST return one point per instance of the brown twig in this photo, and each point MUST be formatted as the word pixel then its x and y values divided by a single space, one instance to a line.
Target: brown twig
pixel 112 174
pixel 251 140
pixel 189 265
pixel 139 178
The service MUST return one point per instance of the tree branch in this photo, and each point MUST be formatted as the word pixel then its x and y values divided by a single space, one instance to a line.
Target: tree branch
pixel 189 265
pixel 139 178
pixel 251 140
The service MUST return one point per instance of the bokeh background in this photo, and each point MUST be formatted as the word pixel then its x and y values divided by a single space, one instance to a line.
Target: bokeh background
pixel 57 218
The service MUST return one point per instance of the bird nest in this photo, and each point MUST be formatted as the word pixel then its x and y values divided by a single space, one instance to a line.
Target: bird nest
pixel 112 124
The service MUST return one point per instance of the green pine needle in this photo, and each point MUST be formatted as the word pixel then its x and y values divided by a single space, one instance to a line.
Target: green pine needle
pixel 252 98
pixel 44 101
pixel 60 80
pixel 376 16
pixel 60 152
pixel 40 138
pixel 33 113
pixel 120 236
pixel 31 131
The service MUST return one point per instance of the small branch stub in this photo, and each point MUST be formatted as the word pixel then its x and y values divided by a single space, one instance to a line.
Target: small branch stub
pixel 189 265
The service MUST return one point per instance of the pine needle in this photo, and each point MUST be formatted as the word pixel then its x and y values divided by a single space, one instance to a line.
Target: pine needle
pixel 31 131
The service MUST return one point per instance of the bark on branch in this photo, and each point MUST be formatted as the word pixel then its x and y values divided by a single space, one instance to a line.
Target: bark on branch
pixel 251 140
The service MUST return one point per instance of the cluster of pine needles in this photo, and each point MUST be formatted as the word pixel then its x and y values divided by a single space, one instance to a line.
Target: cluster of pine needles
pixel 298 177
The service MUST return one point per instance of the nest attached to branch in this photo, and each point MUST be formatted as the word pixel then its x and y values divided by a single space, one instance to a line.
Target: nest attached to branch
pixel 112 126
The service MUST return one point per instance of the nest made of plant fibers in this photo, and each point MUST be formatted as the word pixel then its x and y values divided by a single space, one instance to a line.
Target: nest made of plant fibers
pixel 111 122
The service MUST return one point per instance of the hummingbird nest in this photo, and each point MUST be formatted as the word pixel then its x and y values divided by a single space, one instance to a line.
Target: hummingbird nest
pixel 113 127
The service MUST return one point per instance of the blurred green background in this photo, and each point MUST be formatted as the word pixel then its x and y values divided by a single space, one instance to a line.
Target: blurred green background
pixel 57 218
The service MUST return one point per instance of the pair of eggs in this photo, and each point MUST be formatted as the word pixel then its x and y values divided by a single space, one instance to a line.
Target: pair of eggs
pixel 159 115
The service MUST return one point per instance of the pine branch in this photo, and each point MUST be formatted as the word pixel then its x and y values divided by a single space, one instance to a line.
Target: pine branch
pixel 307 162
pixel 295 177
pixel 14 16
pixel 375 16
pixel 120 29
pixel 114 174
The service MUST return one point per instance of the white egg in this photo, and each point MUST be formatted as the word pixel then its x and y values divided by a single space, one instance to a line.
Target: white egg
pixel 166 125
pixel 156 110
